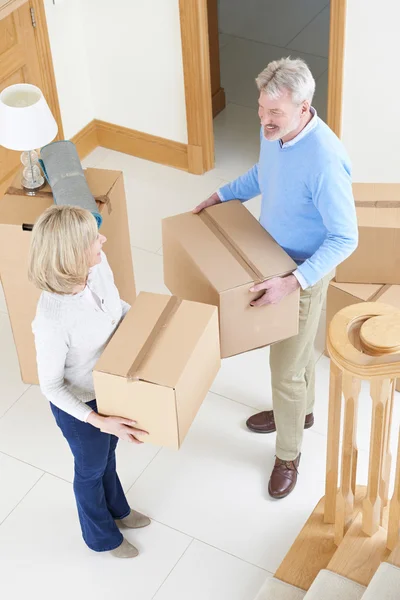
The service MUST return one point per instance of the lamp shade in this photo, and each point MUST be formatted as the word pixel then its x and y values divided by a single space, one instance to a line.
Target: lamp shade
pixel 26 122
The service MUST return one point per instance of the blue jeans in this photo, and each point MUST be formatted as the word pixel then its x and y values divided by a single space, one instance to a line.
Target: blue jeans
pixel 98 492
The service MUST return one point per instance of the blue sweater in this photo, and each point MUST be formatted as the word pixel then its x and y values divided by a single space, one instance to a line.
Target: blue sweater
pixel 307 202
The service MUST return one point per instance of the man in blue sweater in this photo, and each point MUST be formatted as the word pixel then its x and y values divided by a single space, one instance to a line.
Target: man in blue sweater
pixel 304 177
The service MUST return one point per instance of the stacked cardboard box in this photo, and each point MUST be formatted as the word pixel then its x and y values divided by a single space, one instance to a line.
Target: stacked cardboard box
pixel 371 273
pixel 18 212
pixel 377 258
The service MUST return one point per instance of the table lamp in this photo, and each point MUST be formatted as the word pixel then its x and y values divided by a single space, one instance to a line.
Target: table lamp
pixel 26 123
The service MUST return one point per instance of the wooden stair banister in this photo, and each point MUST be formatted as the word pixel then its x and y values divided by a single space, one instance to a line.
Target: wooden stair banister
pixel 363 342
pixel 394 510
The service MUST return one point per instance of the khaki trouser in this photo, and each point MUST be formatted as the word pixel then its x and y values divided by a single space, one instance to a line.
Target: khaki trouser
pixel 293 373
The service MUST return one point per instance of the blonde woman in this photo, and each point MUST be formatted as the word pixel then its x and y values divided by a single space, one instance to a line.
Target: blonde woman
pixel 77 313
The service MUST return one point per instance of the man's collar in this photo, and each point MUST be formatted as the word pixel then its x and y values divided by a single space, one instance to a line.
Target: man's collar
pixel 309 127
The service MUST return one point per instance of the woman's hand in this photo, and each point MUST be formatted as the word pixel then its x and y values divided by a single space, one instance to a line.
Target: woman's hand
pixel 123 428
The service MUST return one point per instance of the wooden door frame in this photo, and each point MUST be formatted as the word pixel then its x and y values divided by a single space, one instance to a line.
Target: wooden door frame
pixel 44 53
pixel 337 33
pixel 196 68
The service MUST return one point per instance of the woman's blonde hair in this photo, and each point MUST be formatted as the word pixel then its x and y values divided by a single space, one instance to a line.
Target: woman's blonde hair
pixel 59 257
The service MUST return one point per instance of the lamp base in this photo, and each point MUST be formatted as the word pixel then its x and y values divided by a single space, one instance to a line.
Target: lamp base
pixel 32 179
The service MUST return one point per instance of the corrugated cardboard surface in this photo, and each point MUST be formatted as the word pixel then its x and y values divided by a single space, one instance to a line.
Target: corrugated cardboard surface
pixel 17 209
pixel 215 257
pixel 377 258
pixel 341 295
pixel 159 366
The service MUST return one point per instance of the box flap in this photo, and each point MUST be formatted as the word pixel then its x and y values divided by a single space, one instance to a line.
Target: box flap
pixel 17 207
pixel 377 194
pixel 364 291
pixel 378 217
pixel 101 181
pixel 377 204
pixel 247 237
pixel 246 252
pixel 391 296
pixel 156 338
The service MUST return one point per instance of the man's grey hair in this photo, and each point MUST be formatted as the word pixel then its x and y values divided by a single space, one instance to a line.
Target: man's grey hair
pixel 287 74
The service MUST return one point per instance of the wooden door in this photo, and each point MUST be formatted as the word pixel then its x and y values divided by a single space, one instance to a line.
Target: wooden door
pixel 217 93
pixel 22 61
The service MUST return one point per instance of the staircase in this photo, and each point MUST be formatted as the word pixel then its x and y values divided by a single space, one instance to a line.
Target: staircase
pixel 349 549
pixel 385 585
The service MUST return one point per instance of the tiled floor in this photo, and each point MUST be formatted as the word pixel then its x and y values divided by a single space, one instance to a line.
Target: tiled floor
pixel 253 33
pixel 216 534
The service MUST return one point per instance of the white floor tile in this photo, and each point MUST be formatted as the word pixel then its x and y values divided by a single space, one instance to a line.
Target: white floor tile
pixel 154 192
pixel 241 62
pixel 246 378
pixel 267 21
pixel 224 39
pixel 237 141
pixel 12 386
pixel 215 487
pixel 3 305
pixel 207 573
pixel 148 267
pixel 42 540
pixel 17 478
pixel 28 432
pixel 314 39
pixel 93 159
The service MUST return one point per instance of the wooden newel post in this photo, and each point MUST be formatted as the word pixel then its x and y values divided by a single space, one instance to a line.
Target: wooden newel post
pixel 364 343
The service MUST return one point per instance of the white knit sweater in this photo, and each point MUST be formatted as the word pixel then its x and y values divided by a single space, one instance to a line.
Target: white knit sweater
pixel 70 333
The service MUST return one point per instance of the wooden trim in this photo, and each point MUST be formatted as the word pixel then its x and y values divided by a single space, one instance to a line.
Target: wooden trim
pixel 44 54
pixel 46 63
pixel 336 64
pixel 8 6
pixel 358 557
pixel 195 160
pixel 314 547
pixel 86 140
pixel 218 102
pixel 143 145
pixel 196 69
pixel 394 558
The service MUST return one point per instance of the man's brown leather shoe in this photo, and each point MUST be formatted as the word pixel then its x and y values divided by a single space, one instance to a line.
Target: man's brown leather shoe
pixel 264 422
pixel 283 477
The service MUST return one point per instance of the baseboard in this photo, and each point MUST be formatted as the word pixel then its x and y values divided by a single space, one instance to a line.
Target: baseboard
pixel 142 145
pixel 86 140
pixel 218 102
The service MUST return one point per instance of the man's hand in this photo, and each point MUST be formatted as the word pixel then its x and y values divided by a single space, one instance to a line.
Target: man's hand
pixel 214 199
pixel 274 289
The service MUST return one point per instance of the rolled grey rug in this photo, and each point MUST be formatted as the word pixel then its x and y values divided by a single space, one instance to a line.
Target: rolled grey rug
pixel 63 171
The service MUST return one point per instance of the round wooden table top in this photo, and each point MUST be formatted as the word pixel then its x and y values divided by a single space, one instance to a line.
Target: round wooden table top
pixel 381 334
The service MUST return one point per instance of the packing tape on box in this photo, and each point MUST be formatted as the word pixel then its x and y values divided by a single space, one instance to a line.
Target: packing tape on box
pixel 166 315
pixel 64 173
pixel 230 245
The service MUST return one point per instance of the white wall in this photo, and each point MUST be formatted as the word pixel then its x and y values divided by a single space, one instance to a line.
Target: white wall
pixel 371 124
pixel 135 59
pixel 71 68
pixel 119 62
